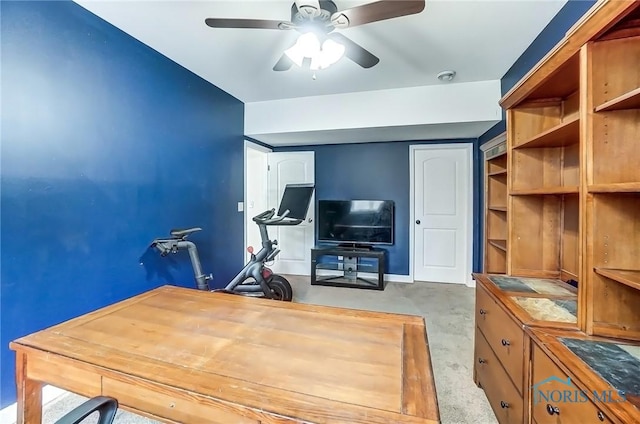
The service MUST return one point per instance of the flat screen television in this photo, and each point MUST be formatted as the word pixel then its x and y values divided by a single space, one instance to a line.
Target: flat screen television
pixel 357 222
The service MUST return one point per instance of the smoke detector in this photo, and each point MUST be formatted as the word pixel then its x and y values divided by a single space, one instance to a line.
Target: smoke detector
pixel 446 76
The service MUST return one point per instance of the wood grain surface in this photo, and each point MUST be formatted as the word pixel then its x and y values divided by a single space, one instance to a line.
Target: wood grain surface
pixel 182 355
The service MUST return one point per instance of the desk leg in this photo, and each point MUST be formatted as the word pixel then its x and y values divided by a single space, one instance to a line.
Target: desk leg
pixel 29 393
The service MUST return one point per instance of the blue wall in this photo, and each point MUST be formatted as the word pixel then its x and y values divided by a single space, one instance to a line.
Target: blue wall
pixel 106 144
pixel 374 171
pixel 555 30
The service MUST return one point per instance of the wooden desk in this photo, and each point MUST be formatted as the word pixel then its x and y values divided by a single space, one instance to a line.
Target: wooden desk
pixel 181 355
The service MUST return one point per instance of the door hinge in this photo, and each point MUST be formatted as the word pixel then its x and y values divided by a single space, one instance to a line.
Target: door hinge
pixel 268 167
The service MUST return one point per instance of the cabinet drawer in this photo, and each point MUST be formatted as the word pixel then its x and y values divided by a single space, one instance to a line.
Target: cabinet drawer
pixel 503 397
pixel 558 400
pixel 505 336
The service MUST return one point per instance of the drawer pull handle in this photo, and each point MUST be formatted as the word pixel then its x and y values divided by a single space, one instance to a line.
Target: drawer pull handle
pixel 505 342
pixel 482 361
pixel 483 312
pixel 600 416
pixel 553 409
pixel 503 404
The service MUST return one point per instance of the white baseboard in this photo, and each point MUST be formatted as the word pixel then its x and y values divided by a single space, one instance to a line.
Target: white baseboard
pixel 396 278
pixel 471 283
pixel 9 414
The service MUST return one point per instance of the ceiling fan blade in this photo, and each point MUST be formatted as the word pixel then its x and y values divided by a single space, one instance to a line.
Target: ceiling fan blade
pixel 355 52
pixel 247 23
pixel 376 11
pixel 283 64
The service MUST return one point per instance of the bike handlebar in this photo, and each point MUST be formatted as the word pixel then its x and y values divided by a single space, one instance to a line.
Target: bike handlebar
pixel 267 218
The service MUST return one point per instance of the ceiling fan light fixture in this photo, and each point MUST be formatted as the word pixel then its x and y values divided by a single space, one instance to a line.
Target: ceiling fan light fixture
pixel 306 46
pixel 330 53
pixel 322 56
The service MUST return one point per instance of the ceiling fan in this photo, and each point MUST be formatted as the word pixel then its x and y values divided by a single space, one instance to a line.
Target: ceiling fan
pixel 316 20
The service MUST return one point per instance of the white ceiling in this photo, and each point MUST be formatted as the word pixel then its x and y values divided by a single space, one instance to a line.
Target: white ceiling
pixel 479 39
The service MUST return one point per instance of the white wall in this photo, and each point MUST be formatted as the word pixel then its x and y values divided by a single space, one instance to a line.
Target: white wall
pixel 414 107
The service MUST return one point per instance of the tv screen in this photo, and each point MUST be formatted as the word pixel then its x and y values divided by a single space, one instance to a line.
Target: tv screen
pixel 355 221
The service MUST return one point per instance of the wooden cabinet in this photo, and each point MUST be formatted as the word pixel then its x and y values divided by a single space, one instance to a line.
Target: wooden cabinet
pixel 495 216
pixel 504 307
pixel 572 216
pixel 576 378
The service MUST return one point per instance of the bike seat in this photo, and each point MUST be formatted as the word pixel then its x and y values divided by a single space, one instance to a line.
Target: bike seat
pixel 183 232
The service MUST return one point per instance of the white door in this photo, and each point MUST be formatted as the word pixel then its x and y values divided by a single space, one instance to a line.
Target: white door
pixel 255 189
pixel 295 242
pixel 442 199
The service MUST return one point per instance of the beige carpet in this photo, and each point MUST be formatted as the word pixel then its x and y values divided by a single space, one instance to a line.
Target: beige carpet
pixel 449 313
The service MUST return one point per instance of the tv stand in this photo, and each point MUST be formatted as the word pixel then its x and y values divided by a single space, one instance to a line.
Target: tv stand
pixel 344 266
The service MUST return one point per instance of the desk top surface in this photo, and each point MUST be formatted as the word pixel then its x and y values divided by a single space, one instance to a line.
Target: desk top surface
pixel 314 363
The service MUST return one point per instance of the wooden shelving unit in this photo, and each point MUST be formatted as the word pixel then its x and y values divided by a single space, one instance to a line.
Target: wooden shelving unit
pixel 495 245
pixel 573 147
pixel 612 201
pixel 573 194
pixel 574 185
pixel 544 183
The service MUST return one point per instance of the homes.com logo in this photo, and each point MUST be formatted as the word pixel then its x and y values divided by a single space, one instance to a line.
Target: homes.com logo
pixel 572 394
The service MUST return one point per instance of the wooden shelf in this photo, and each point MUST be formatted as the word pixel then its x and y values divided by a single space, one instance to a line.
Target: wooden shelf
pixel 495 205
pixel 630 100
pixel 546 190
pixel 500 244
pixel 563 134
pixel 501 172
pixel 630 278
pixel 614 188
pixel 498 208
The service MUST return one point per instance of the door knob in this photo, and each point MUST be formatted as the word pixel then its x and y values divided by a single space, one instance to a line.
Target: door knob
pixel 418 221
pixel 310 219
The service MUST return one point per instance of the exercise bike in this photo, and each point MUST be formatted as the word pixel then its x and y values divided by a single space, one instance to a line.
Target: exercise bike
pixel 255 279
